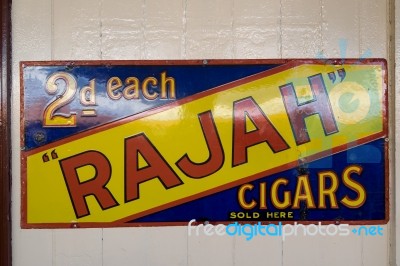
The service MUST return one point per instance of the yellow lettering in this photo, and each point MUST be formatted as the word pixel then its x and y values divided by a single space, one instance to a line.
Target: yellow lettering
pixel 263 195
pixel 87 94
pixel 327 192
pixel 355 186
pixel 241 197
pixel 145 88
pixel 274 194
pixel 114 84
pixel 132 90
pixel 303 192
pixel 171 82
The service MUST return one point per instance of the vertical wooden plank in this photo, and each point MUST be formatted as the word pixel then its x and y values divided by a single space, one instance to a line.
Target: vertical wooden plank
pixel 373 27
pixel 122 30
pixel 307 30
pixel 31 40
pixel 163 30
pixel 375 249
pixel 374 42
pixel 208 32
pixel 340 29
pixel 79 247
pixel 322 250
pixel 5 177
pixel 142 29
pixel 260 250
pixel 301 28
pixel 31 247
pixel 76 30
pixel 76 35
pixel 145 246
pixel 257 33
pixel 210 250
pixel 256 29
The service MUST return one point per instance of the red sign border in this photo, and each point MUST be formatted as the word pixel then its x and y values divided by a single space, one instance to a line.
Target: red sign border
pixel 284 65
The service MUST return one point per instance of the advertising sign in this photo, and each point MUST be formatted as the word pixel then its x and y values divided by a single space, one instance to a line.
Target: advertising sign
pixel 128 143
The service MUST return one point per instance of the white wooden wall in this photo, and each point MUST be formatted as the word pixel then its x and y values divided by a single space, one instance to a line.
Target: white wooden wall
pixel 191 29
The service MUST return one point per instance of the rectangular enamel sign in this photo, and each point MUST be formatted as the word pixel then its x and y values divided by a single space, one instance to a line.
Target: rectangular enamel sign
pixel 127 143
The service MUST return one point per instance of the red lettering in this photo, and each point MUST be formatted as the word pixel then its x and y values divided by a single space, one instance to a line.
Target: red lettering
pixel 298 112
pixel 216 157
pixel 95 186
pixel 264 132
pixel 156 166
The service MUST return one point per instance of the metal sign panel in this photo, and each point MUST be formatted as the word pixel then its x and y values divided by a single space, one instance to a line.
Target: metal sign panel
pixel 127 143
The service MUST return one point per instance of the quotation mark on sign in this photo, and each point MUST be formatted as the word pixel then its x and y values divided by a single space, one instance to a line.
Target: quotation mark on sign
pixel 341 73
pixel 46 158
